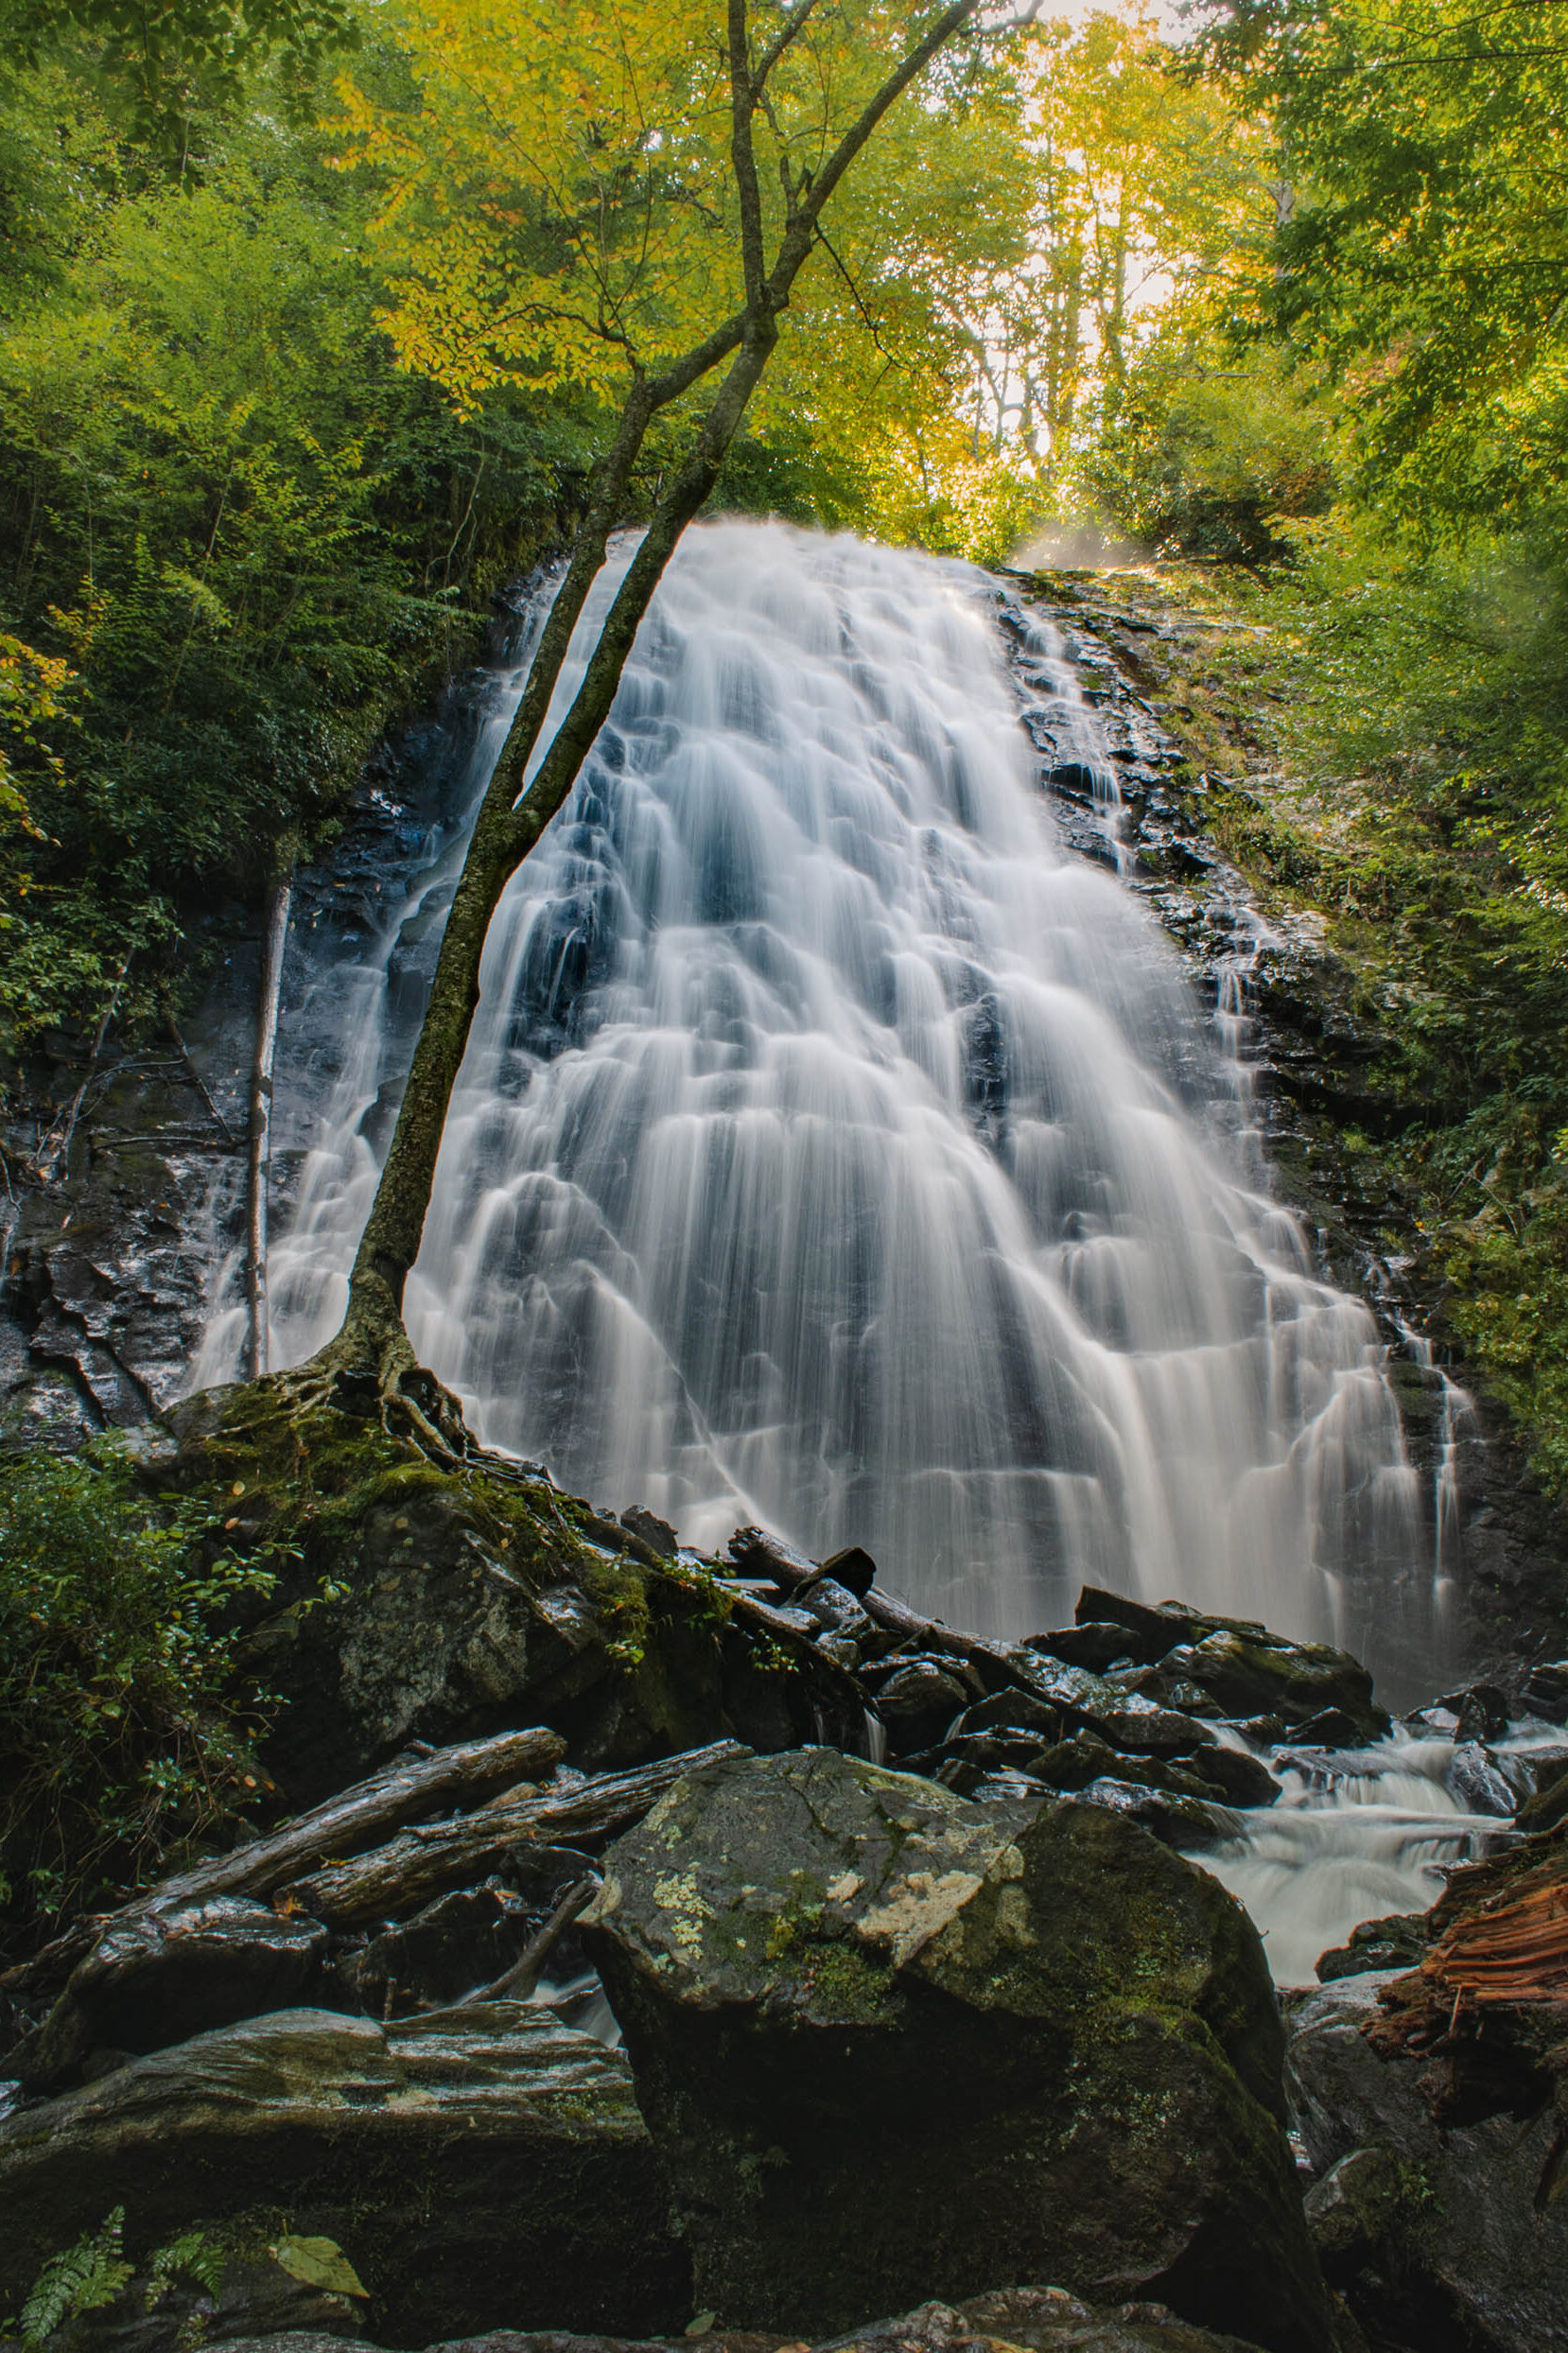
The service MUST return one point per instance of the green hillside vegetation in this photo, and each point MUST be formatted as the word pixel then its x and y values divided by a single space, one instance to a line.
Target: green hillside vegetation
pixel 1364 417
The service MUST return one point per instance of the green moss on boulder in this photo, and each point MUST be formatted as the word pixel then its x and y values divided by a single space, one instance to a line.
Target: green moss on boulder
pixel 894 2045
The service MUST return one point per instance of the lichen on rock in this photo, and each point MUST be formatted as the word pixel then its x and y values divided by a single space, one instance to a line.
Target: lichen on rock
pixel 1027 2040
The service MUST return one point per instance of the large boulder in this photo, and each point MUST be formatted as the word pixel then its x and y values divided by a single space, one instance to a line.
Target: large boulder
pixel 460 1600
pixel 479 2169
pixel 1438 2204
pixel 895 2044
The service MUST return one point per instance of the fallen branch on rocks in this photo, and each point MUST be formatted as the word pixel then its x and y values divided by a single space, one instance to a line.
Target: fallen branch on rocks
pixel 398 1794
pixel 422 1863
pixel 518 1982
pixel 757 1554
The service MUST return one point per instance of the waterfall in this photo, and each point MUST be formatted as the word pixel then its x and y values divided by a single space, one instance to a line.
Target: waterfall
pixel 835 1149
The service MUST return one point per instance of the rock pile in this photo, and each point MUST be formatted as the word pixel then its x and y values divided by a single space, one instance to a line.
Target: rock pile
pixel 919 1998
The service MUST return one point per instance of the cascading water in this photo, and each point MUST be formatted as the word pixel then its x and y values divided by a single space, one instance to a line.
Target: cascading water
pixel 1365 1833
pixel 833 1150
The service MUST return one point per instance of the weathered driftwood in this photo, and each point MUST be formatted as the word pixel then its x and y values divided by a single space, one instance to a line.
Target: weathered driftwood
pixel 1517 1953
pixel 347 1823
pixel 399 1877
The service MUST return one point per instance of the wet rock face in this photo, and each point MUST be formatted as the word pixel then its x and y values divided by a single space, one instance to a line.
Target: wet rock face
pixel 480 2169
pixel 1028 2039
pixel 467 1603
pixel 1244 1669
pixel 1435 2206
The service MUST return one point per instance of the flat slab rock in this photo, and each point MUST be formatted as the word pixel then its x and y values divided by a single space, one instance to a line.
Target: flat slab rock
pixel 479 2166
pixel 890 2043
pixel 1041 2319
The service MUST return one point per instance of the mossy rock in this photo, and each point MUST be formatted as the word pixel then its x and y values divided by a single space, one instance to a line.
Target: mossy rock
pixel 483 2168
pixel 418 1601
pixel 893 2045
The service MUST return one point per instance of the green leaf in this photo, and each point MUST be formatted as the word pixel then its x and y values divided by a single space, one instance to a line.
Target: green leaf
pixel 320 2263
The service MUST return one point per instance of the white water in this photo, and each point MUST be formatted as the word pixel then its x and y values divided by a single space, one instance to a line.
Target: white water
pixel 1367 1835
pixel 835 1151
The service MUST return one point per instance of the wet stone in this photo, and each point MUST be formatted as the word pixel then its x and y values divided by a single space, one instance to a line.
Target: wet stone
pixel 918 1702
pixel 1029 2040
pixel 1330 1729
pixel 1038 2320
pixel 166 1974
pixel 656 1533
pixel 1397 1941
pixel 1187 1823
pixel 1547 1691
pixel 1242 1778
pixel 1483 2241
pixel 1353 2207
pixel 479 2169
pixel 1010 1711
pixel 1474 1783
pixel 1095 1646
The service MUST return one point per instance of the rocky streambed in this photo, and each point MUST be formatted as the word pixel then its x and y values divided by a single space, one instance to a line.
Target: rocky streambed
pixel 647 1946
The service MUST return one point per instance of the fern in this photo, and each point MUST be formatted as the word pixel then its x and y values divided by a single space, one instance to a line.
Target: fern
pixel 85 2276
pixel 193 2255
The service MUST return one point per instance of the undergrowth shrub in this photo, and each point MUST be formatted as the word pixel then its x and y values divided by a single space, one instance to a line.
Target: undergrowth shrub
pixel 125 1728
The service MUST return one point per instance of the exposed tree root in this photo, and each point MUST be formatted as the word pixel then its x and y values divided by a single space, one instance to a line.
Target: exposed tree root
pixel 369 1368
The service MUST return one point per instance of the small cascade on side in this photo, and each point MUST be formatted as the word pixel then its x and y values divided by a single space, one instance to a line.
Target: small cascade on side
pixel 835 1150
pixel 362 954
pixel 1455 1420
pixel 1356 1835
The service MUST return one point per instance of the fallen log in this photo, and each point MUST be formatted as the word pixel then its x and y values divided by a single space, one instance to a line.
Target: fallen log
pixel 405 1874
pixel 344 1824
pixel 758 1554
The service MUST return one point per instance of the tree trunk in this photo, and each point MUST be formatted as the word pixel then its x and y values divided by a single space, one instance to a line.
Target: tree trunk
pixel 501 841
pixel 372 1338
pixel 274 937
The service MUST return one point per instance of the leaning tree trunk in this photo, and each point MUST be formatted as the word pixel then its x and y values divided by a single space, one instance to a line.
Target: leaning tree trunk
pixel 373 1331
pixel 373 1340
pixel 274 936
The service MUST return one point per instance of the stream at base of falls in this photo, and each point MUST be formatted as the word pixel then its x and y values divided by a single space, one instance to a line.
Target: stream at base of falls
pixel 836 1150
pixel 1360 1835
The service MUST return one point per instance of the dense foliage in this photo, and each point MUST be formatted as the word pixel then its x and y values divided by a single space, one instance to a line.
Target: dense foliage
pixel 1402 309
pixel 312 317
pixel 125 1725
pixel 233 534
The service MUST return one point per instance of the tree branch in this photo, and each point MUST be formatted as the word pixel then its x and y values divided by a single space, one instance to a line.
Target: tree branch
pixel 787 32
